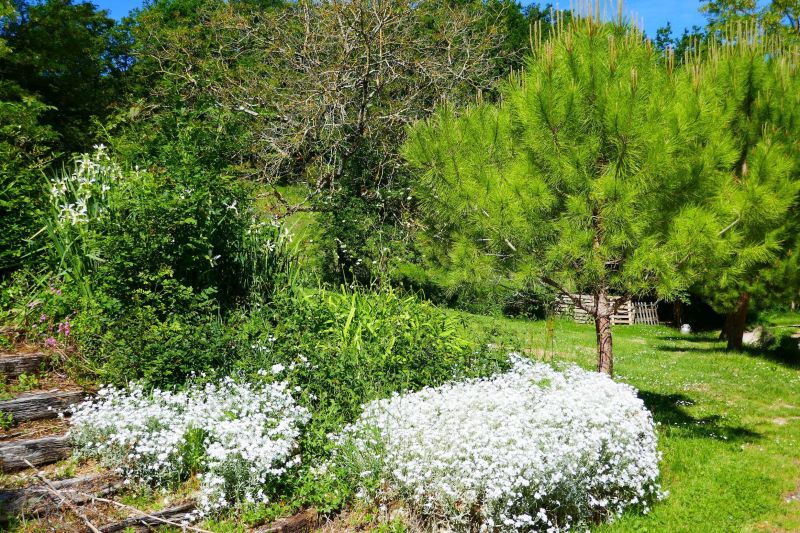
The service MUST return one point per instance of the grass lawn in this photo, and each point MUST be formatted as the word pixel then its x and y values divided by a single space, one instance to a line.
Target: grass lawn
pixel 728 423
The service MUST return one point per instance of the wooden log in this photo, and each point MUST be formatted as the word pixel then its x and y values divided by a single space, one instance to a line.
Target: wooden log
pixel 12 365
pixel 38 500
pixel 41 451
pixel 39 406
pixel 303 522
pixel 145 523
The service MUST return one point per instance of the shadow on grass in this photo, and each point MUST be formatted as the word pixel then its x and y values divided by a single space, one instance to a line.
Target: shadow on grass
pixel 699 349
pixel 694 338
pixel 668 410
pixel 784 350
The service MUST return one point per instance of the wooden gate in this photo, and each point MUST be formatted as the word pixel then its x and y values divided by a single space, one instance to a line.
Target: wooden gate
pixel 630 312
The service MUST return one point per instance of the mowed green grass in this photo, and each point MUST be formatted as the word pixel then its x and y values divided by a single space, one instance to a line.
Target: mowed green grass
pixel 728 423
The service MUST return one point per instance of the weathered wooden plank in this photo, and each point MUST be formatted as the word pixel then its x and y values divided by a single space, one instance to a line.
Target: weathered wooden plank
pixel 38 500
pixel 627 313
pixel 143 523
pixel 12 365
pixel 41 451
pixel 303 522
pixel 40 406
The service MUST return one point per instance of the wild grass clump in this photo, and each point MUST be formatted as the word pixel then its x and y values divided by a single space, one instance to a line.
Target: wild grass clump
pixel 532 449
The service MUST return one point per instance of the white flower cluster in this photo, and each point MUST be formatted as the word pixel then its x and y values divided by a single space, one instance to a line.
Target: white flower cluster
pixel 81 193
pixel 533 449
pixel 239 436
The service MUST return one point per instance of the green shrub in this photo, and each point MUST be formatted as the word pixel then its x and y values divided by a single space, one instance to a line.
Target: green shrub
pixel 39 306
pixel 531 300
pixel 345 348
pixel 166 333
pixel 110 229
pixel 362 241
pixel 144 266
pixel 780 344
pixel 25 151
pixel 162 333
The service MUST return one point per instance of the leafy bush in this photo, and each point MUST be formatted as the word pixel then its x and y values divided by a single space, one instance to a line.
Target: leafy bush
pixel 162 335
pixel 240 439
pixel 483 296
pixel 532 449
pixel 112 229
pixel 145 265
pixel 337 350
pixel 39 307
pixel 780 344
pixel 346 348
pixel 534 300
pixel 24 152
pixel 363 241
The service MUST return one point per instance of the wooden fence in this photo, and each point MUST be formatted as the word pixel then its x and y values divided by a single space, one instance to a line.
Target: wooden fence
pixel 630 312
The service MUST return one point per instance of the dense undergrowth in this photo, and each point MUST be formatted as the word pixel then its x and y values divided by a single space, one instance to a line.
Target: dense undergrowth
pixel 165 283
pixel 156 280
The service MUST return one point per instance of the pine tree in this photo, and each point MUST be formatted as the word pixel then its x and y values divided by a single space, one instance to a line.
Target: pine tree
pixel 586 176
pixel 751 88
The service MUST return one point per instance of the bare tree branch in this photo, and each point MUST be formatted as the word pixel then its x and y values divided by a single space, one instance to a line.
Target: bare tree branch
pixel 326 89
pixel 575 299
pixel 62 499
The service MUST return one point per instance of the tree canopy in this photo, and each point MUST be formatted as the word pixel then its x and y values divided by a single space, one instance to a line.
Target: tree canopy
pixel 753 87
pixel 603 171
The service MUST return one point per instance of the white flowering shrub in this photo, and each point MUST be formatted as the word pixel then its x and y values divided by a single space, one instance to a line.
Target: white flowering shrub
pixel 533 449
pixel 238 437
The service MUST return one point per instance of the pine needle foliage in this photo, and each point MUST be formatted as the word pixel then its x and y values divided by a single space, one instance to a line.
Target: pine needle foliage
pixel 592 175
pixel 751 89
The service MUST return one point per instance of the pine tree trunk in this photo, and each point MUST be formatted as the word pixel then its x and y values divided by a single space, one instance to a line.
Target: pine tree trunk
pixel 602 326
pixel 677 313
pixel 735 323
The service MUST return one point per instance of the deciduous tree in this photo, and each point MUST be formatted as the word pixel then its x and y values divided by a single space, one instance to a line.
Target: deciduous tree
pixel 26 148
pixel 68 55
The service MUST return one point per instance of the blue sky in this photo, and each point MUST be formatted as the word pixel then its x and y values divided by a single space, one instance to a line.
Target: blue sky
pixel 656 13
pixel 117 8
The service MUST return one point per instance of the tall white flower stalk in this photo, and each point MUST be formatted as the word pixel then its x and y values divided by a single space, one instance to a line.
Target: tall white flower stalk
pixel 79 197
pixel 237 437
pixel 80 193
pixel 533 449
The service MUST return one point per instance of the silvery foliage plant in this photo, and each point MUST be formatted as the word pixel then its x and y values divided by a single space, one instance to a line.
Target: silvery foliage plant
pixel 533 449
pixel 239 437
